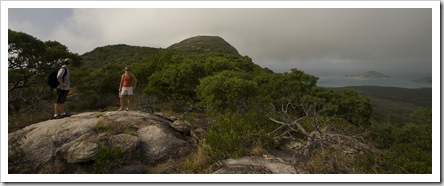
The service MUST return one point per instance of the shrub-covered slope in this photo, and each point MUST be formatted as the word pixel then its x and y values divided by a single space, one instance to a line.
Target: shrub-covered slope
pixel 204 44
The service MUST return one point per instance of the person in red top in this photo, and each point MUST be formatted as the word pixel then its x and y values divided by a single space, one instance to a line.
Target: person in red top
pixel 127 84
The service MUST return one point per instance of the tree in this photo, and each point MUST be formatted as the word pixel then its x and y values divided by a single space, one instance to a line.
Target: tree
pixel 325 121
pixel 29 63
pixel 176 81
pixel 30 60
pixel 226 91
pixel 279 89
pixel 407 148
pixel 25 59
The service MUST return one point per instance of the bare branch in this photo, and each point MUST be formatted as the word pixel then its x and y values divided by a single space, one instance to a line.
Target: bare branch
pixel 300 127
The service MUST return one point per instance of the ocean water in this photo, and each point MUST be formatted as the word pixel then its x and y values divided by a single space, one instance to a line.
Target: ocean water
pixel 344 81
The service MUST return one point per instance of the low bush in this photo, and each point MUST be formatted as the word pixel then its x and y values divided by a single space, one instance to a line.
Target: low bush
pixel 105 159
pixel 233 135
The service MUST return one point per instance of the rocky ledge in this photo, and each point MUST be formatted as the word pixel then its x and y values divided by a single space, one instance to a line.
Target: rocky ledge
pixel 67 145
pixel 125 142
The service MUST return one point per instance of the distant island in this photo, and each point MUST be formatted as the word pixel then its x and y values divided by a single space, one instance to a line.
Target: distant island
pixel 427 80
pixel 369 74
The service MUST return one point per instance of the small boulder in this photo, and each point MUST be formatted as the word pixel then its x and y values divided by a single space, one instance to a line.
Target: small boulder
pixel 159 142
pixel 124 142
pixel 182 126
pixel 255 165
pixel 81 152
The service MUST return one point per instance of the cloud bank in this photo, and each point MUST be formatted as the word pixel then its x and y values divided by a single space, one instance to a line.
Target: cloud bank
pixel 396 42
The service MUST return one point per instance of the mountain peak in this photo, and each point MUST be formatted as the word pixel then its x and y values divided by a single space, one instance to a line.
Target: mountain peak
pixel 204 44
pixel 369 74
pixel 427 80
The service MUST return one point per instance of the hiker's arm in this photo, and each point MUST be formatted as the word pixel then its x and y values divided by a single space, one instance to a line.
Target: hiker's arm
pixel 60 79
pixel 121 82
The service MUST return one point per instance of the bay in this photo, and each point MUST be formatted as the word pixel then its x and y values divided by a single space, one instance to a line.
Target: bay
pixel 344 81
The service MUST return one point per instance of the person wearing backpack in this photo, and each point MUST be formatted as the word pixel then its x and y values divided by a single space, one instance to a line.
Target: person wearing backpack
pixel 62 89
pixel 126 88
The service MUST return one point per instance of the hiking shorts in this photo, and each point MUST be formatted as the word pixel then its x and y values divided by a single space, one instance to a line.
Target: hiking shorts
pixel 126 91
pixel 61 96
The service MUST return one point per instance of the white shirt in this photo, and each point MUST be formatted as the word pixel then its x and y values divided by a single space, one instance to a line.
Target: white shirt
pixel 66 79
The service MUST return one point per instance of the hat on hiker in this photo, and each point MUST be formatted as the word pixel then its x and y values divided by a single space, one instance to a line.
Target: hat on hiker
pixel 68 61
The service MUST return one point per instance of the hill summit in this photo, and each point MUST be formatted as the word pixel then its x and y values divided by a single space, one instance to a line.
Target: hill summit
pixel 369 74
pixel 204 44
pixel 427 80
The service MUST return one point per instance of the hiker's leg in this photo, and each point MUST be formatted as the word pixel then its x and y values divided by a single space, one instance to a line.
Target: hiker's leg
pixel 130 97
pixel 57 104
pixel 62 108
pixel 61 101
pixel 123 93
pixel 56 109
pixel 121 101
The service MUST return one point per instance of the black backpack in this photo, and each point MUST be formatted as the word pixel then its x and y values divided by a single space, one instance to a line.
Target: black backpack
pixel 52 78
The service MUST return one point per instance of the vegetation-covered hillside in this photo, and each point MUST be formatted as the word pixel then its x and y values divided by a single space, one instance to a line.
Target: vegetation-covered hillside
pixel 241 106
pixel 204 44
pixel 115 54
pixel 369 74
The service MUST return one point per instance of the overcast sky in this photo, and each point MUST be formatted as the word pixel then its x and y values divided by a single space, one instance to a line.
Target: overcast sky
pixel 322 42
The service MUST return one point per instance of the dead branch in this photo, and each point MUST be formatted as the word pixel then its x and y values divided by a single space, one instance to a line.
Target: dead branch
pixel 296 122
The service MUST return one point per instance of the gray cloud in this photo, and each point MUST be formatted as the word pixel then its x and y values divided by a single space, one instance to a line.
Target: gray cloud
pixel 397 42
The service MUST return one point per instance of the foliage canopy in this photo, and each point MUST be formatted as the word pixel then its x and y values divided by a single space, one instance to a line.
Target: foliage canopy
pixel 247 105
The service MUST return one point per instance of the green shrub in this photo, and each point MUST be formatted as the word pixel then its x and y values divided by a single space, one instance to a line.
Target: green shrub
pixel 233 135
pixel 94 102
pixel 407 148
pixel 105 159
pixel 198 162
pixel 101 127
pixel 227 91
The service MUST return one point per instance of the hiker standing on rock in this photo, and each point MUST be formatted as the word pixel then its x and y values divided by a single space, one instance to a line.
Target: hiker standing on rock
pixel 62 89
pixel 127 84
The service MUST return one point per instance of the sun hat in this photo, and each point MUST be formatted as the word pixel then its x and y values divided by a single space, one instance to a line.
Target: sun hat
pixel 68 60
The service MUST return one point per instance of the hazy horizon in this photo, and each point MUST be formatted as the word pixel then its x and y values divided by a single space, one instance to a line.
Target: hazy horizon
pixel 319 41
